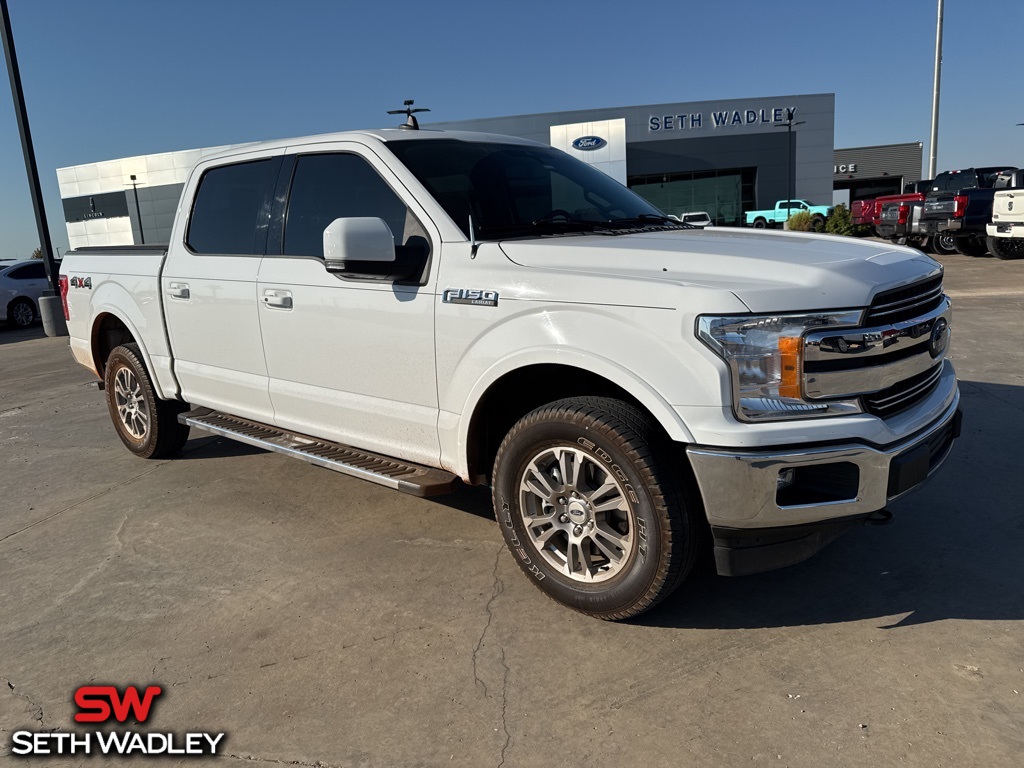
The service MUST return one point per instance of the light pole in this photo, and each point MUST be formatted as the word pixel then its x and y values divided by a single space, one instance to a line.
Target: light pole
pixel 933 150
pixel 138 211
pixel 788 125
pixel 50 307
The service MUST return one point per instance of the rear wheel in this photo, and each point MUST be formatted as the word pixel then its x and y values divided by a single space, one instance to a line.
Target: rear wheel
pixel 588 510
pixel 970 246
pixel 21 313
pixel 147 425
pixel 1006 247
pixel 944 244
pixel 760 223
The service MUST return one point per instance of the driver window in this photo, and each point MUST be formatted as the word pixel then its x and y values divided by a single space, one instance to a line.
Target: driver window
pixel 331 186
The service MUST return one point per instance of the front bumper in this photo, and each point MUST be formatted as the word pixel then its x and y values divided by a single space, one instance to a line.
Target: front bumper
pixel 757 526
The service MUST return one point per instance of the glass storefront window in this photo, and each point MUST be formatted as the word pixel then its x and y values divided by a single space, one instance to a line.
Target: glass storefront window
pixel 724 194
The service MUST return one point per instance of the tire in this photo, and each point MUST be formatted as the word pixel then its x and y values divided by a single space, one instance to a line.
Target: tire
pixel 21 313
pixel 944 244
pixel 924 244
pixel 147 425
pixel 760 223
pixel 611 563
pixel 1006 247
pixel 970 246
pixel 817 223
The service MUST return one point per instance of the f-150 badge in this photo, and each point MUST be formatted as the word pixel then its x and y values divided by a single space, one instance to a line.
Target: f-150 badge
pixel 470 296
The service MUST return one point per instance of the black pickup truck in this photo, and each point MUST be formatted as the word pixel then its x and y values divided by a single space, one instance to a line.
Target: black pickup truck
pixel 959 205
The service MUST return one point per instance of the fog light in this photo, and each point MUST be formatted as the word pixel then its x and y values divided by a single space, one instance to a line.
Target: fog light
pixel 785 479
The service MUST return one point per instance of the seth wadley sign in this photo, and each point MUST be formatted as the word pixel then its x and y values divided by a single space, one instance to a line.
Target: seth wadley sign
pixel 718 119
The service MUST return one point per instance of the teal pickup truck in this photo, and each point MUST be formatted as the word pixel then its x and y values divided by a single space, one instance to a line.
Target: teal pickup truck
pixel 778 215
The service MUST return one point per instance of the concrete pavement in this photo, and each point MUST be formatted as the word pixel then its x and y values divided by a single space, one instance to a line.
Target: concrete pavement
pixel 321 620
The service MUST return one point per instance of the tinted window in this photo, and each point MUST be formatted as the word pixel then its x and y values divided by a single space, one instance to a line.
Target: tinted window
pixel 514 190
pixel 329 187
pixel 29 272
pixel 227 207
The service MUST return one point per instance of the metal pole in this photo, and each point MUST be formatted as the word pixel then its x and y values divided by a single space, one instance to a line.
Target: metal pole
pixel 934 148
pixel 138 211
pixel 26 146
pixel 789 166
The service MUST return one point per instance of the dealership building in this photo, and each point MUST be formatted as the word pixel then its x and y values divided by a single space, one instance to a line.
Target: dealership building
pixel 723 157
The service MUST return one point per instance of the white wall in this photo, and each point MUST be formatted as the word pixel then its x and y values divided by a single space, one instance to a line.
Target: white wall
pixel 610 158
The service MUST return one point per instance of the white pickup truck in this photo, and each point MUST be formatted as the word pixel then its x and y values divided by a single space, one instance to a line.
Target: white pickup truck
pixel 417 308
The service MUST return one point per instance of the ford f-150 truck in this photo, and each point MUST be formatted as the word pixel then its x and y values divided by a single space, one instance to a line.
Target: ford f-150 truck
pixel 783 210
pixel 417 308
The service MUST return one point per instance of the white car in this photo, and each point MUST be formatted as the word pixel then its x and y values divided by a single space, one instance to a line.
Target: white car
pixel 21 285
pixel 696 219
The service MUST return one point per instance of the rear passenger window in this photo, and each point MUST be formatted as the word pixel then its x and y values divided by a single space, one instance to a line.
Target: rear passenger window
pixel 29 272
pixel 226 212
pixel 332 186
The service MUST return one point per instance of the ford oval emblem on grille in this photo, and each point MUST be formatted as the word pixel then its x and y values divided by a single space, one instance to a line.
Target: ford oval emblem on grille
pixel 588 143
pixel 1009 206
pixel 940 337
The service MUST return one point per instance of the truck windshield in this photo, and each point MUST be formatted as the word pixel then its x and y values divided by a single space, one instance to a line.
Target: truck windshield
pixel 514 190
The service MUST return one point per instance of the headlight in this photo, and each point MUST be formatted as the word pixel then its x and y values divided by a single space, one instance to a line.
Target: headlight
pixel 765 355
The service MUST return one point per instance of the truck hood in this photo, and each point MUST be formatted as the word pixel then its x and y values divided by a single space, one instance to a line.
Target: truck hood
pixel 767 271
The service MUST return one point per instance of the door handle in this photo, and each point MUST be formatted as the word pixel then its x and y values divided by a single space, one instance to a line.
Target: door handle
pixel 278 299
pixel 178 290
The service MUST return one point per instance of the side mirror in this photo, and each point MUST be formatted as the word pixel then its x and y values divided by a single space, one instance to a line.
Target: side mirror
pixel 351 244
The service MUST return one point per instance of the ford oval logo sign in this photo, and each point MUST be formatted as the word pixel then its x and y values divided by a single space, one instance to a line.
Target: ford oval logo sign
pixel 588 143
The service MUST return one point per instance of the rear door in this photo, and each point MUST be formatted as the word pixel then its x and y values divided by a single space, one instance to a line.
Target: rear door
pixel 209 285
pixel 349 357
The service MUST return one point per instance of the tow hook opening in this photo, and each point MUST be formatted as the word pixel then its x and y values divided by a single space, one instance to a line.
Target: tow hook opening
pixel 879 517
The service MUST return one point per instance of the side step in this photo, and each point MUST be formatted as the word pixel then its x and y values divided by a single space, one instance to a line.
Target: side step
pixel 394 473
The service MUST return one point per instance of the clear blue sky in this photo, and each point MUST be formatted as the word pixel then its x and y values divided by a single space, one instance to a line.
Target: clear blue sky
pixel 112 78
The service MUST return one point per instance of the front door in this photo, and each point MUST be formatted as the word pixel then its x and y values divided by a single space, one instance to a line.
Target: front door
pixel 350 358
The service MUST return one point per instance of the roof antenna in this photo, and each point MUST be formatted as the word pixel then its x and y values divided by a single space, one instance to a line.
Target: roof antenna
pixel 411 123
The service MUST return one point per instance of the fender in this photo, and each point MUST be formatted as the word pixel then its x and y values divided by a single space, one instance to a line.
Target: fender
pixel 110 298
pixel 638 354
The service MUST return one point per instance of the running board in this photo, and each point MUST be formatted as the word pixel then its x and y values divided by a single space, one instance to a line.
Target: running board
pixel 409 478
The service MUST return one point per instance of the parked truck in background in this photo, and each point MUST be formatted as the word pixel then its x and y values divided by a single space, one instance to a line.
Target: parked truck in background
pixel 418 309
pixel 1005 233
pixel 959 205
pixel 913 193
pixel 782 211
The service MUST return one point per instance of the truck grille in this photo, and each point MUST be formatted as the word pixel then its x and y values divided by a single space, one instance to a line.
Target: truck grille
pixel 903 394
pixel 905 303
pixel 893 361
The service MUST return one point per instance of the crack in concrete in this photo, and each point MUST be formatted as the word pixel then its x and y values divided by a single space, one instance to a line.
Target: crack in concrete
pixel 504 711
pixel 270 761
pixel 38 716
pixel 497 589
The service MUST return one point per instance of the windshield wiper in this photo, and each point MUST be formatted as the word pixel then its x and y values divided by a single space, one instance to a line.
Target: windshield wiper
pixel 647 219
pixel 563 221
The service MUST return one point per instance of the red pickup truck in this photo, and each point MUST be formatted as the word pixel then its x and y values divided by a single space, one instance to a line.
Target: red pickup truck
pixel 915 194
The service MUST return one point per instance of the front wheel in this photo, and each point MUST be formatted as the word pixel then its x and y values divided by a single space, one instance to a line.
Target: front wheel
pixel 147 425
pixel 817 223
pixel 1006 247
pixel 944 244
pixel 588 509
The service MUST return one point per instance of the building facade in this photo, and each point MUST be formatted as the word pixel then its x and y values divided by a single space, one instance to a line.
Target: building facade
pixel 864 173
pixel 721 157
